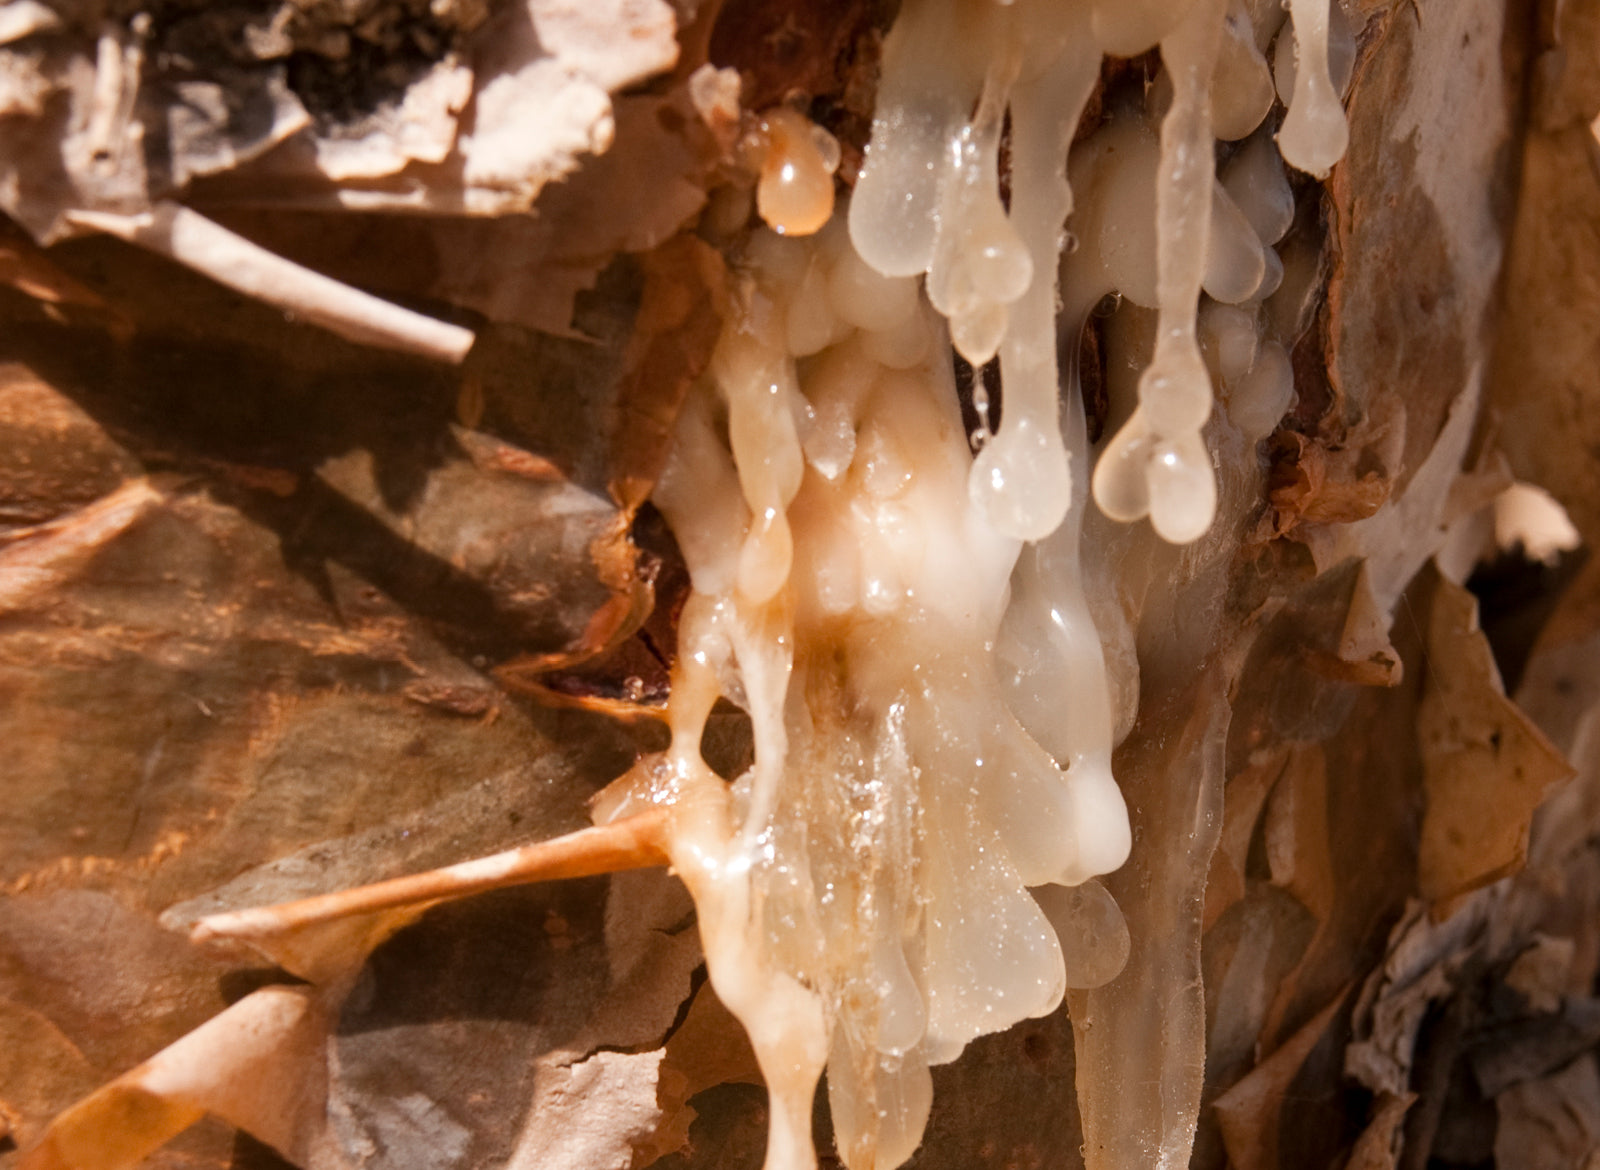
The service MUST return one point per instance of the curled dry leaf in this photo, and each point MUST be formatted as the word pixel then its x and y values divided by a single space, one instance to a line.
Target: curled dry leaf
pixel 1379 1146
pixel 1243 799
pixel 302 665
pixel 25 267
pixel 1553 1122
pixel 363 94
pixel 1419 969
pixel 1251 1112
pixel 257 1065
pixel 1486 766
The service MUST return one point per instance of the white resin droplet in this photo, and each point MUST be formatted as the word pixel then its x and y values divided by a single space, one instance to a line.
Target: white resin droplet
pixel 1021 481
pixel 867 299
pixel 1120 487
pixel 1126 28
pixel 833 567
pixel 795 192
pixel 1261 397
pixel 1255 180
pixel 836 386
pixel 1234 260
pixel 699 494
pixel 1183 489
pixel 1230 335
pixel 902 1019
pixel 764 558
pixel 998 262
pixel 1049 654
pixel 1093 932
pixel 901 346
pixel 1267 16
pixel 1025 798
pixel 1102 833
pixel 928 88
pixel 883 467
pixel 1271 278
pixel 977 254
pixel 1241 84
pixel 1175 393
pixel 991 954
pixel 1126 199
pixel 1315 133
pixel 759 387
pixel 880 1104
pixel 1175 390
pixel 1341 52
pixel 811 325
pixel 977 334
pixel 827 147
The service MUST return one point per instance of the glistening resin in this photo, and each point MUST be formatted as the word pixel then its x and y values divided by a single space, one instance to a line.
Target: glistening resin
pixel 908 624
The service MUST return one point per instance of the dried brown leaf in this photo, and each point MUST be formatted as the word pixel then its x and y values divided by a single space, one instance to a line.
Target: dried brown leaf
pixel 1251 1112
pixel 593 1115
pixel 26 268
pixel 680 318
pixel 1486 767
pixel 1416 226
pixel 710 1048
pixel 1420 968
pixel 1552 1123
pixel 54 458
pixel 1243 799
pixel 1296 833
pixel 1378 1147
pixel 258 1065
pixel 41 1072
pixel 1250 956
pixel 1527 1049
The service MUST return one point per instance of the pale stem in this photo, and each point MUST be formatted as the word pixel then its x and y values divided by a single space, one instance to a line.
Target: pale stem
pixel 228 258
pixel 637 842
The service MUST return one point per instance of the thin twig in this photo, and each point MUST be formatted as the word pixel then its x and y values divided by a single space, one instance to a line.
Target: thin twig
pixel 228 258
pixel 636 842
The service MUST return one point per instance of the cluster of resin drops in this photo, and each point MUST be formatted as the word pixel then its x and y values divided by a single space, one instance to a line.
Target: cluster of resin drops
pixel 905 622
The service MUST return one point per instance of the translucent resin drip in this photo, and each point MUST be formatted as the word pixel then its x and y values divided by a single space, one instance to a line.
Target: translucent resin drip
pixel 992 275
pixel 1315 133
pixel 909 627
pixel 934 61
pixel 1158 464
pixel 1021 479
pixel 863 889
pixel 795 192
